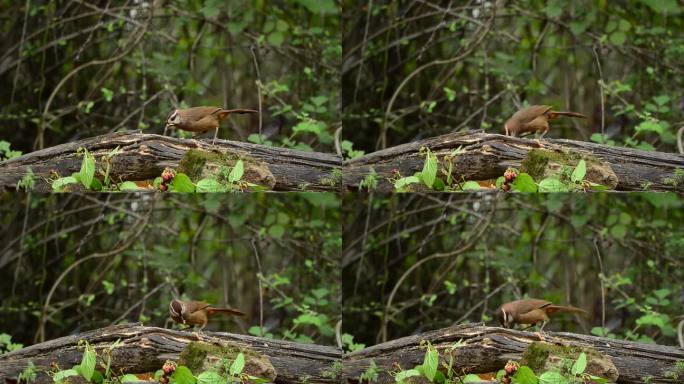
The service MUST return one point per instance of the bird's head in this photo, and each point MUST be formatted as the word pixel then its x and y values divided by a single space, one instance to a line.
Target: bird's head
pixel 173 119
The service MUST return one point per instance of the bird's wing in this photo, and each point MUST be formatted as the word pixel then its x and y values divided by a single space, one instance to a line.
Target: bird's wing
pixel 532 304
pixel 530 113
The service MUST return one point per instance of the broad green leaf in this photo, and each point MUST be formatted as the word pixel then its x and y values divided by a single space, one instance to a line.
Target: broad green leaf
pixel 209 185
pixel 61 375
pixel 276 38
pixel 128 378
pixel 618 231
pixel 87 366
pixel 400 184
pixel 403 375
pixel 649 126
pixel 552 185
pixel 470 186
pixel 524 183
pixel 87 171
pixel 618 38
pixel 429 171
pixel 276 231
pixel 183 375
pixel 319 6
pixel 238 365
pixel 237 172
pixel 663 6
pixel 58 184
pixel 579 172
pixel 182 183
pixel 554 8
pixel 128 186
pixel 471 378
pixel 552 377
pixel 580 365
pixel 524 375
pixel 430 362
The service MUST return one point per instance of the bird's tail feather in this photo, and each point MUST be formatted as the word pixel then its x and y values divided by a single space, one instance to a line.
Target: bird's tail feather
pixel 566 308
pixel 229 311
pixel 554 114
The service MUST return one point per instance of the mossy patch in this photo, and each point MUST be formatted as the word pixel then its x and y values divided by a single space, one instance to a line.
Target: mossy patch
pixel 200 357
pixel 199 164
pixel 540 164
pixel 542 357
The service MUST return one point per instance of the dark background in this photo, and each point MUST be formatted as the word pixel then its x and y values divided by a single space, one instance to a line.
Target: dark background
pixel 472 67
pixel 473 252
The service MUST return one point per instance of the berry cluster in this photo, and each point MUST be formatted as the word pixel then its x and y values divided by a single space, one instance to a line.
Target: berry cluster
pixel 167 370
pixel 167 178
pixel 509 178
pixel 509 370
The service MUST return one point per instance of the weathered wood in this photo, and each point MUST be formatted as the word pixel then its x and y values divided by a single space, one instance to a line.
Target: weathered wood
pixel 145 349
pixel 486 156
pixel 487 349
pixel 144 157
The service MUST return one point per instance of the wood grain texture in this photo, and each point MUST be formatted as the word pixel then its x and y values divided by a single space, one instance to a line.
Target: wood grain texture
pixel 487 156
pixel 487 349
pixel 145 349
pixel 144 157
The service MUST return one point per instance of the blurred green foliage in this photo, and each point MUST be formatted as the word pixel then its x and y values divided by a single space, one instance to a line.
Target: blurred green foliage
pixel 80 262
pixel 456 258
pixel 458 65
pixel 281 55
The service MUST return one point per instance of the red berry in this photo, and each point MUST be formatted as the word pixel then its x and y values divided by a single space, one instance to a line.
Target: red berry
pixel 511 368
pixel 163 187
pixel 169 367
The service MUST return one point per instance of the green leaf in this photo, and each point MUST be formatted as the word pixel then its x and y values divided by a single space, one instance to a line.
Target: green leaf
pixel 61 375
pixel 580 365
pixel 182 183
pixel 322 6
pixel 579 172
pixel 618 231
pixel 275 38
pixel 58 184
pixel 552 185
pixel 128 378
pixel 429 171
pixel 238 365
pixel 553 9
pixel 524 183
pixel 524 375
pixel 107 94
pixel 618 38
pixel 471 378
pixel 552 377
pixel 310 126
pixel 663 6
pixel 182 375
pixel 237 172
pixel 128 186
pixel 470 186
pixel 649 126
pixel 400 184
pixel 87 171
pixel 430 362
pixel 403 375
pixel 210 377
pixel 87 366
pixel 276 231
pixel 209 185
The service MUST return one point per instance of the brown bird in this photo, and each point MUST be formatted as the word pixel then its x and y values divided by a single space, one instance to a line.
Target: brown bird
pixel 196 312
pixel 200 119
pixel 531 312
pixel 534 119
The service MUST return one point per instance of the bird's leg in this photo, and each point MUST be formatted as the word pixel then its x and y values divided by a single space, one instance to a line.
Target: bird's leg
pixel 540 333
pixel 215 134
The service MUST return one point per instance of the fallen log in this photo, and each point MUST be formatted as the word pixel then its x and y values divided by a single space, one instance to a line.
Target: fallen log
pixel 144 157
pixel 486 156
pixel 145 349
pixel 487 349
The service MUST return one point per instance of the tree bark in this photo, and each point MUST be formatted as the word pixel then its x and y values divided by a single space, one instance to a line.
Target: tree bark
pixel 487 349
pixel 145 349
pixel 487 156
pixel 144 157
